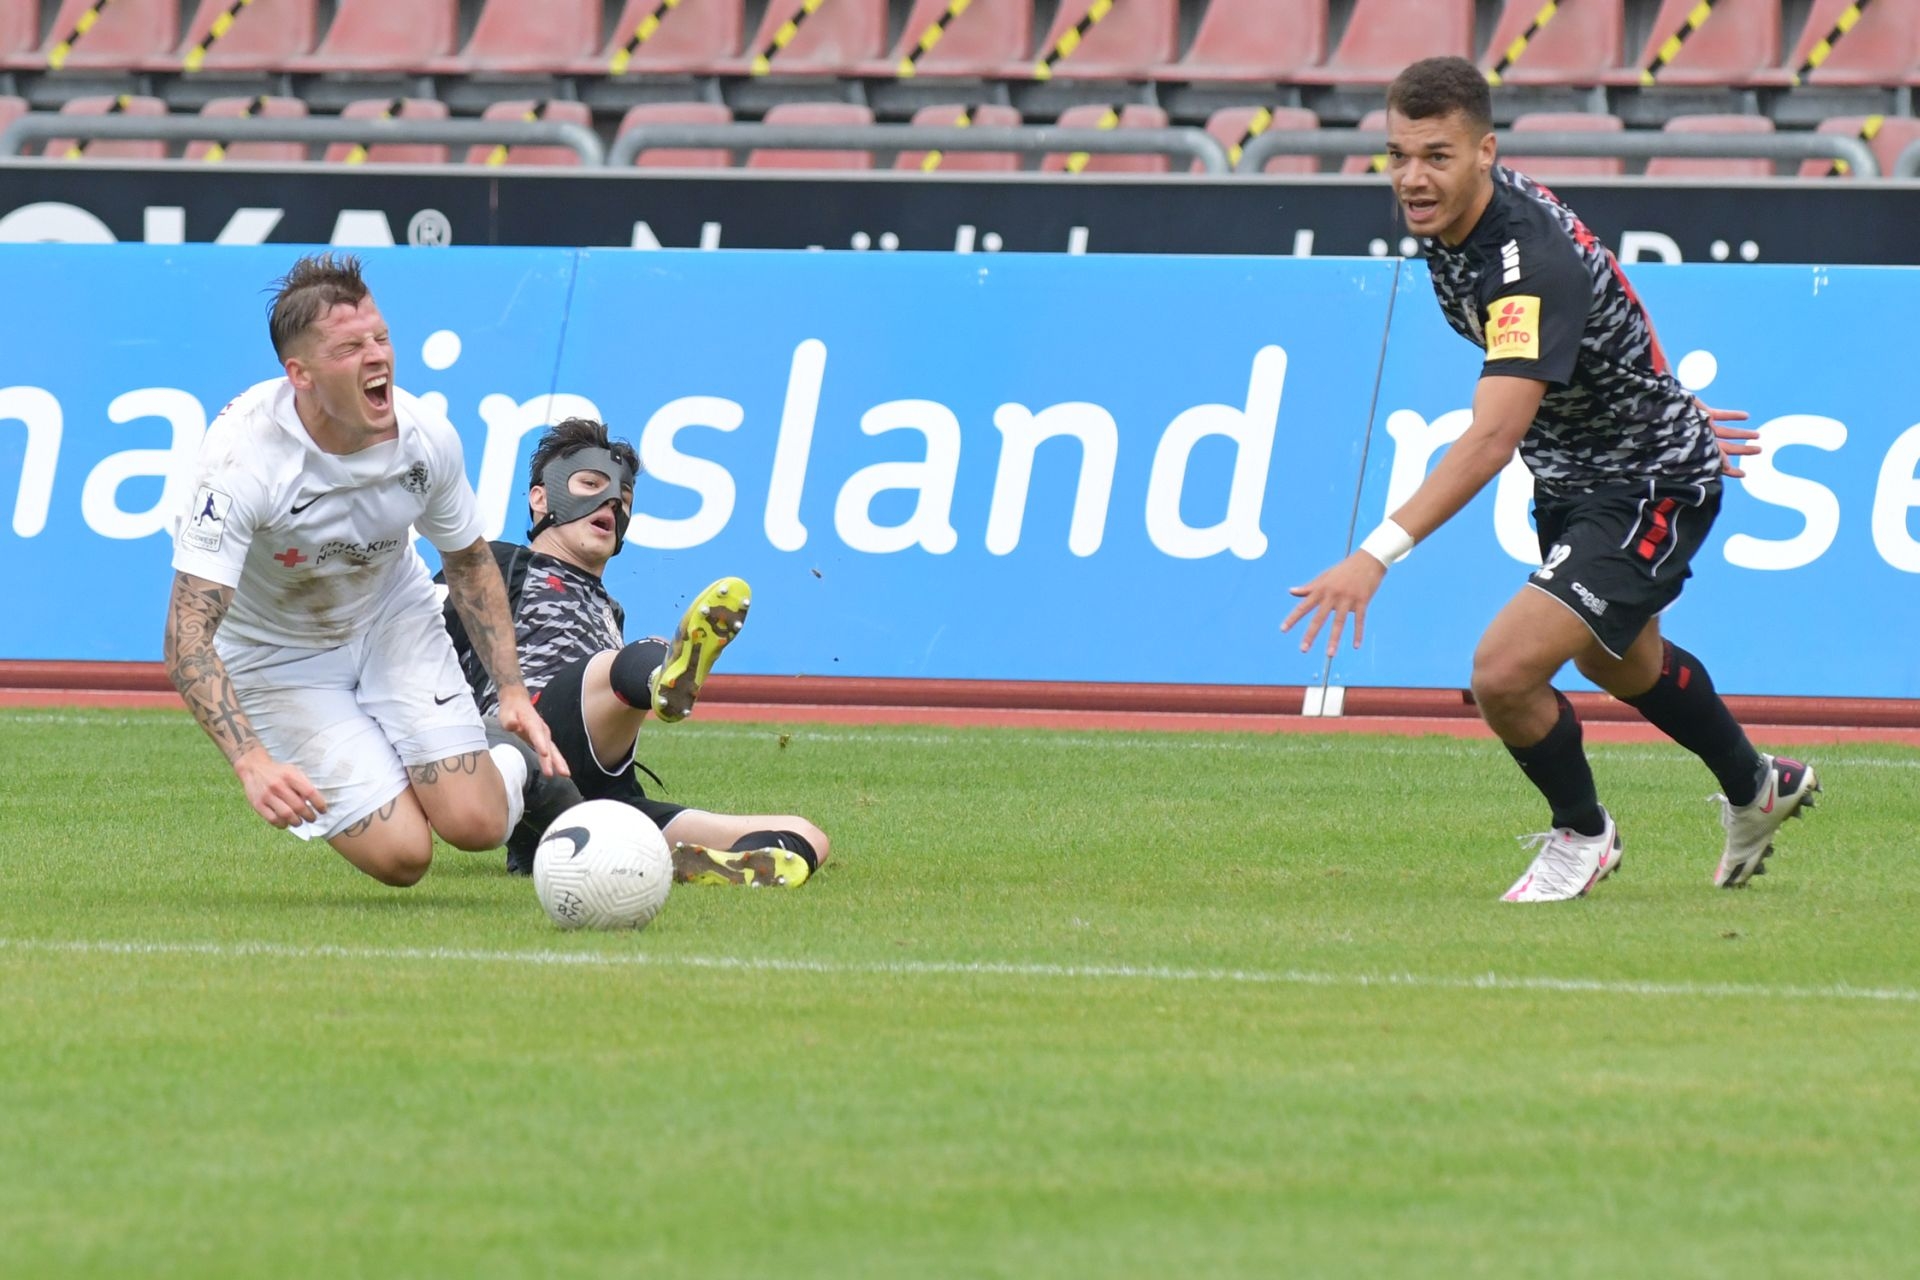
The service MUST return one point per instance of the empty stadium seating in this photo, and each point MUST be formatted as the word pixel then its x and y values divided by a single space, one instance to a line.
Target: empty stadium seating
pixel 984 39
pixel 107 148
pixel 123 35
pixel 217 147
pixel 679 113
pixel 1737 41
pixel 382 35
pixel 1878 48
pixel 692 37
pixel 1888 136
pixel 1129 42
pixel 835 39
pixel 1232 127
pixel 260 37
pixel 1383 36
pixel 1713 167
pixel 1565 166
pixel 989 115
pixel 1579 43
pixel 563 112
pixel 527 37
pixel 1132 116
pixel 1373 120
pixel 1267 40
pixel 19 32
pixel 391 153
pixel 820 113
pixel 11 109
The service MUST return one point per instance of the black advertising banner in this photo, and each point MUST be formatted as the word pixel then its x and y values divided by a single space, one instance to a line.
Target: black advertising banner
pixel 1814 221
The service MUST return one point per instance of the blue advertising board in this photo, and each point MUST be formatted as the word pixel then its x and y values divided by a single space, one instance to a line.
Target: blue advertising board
pixel 1016 468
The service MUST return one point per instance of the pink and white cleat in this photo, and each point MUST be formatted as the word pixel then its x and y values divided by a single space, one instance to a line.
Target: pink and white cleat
pixel 1568 864
pixel 1787 792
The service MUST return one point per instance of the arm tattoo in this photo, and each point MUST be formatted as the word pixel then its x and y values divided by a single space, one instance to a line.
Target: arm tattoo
pixel 480 598
pixel 193 615
pixel 425 775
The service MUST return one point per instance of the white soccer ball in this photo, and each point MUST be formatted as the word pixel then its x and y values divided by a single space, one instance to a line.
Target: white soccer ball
pixel 602 865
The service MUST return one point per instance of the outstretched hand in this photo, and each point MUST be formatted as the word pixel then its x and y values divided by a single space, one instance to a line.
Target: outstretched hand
pixel 1337 594
pixel 517 715
pixel 1732 440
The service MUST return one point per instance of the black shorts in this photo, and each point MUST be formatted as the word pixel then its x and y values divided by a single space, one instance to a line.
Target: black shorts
pixel 1617 558
pixel 559 705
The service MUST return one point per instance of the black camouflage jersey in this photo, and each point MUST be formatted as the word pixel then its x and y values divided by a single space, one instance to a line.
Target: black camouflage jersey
pixel 1546 300
pixel 561 614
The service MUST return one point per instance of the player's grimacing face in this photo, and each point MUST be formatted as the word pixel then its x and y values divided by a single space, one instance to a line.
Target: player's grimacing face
pixel 348 359
pixel 589 542
pixel 1440 167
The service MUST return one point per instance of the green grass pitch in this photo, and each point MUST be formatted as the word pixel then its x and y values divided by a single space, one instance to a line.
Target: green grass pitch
pixel 1064 1004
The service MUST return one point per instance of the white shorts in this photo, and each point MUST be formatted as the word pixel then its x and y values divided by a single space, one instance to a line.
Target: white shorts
pixel 354 717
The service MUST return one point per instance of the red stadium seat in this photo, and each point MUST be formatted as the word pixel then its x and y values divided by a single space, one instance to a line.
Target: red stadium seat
pixel 984 39
pixel 265 108
pixel 1130 42
pixel 1887 135
pixel 19 32
pixel 391 153
pixel 109 148
pixel 836 39
pixel 1731 167
pixel 680 113
pixel 1566 166
pixel 561 111
pixel 1233 127
pixel 527 36
pixel 989 115
pixel 1093 116
pixel 692 37
pixel 1383 36
pixel 1270 40
pixel 1579 44
pixel 1878 47
pixel 264 36
pixel 380 35
pixel 127 33
pixel 1373 120
pixel 820 113
pixel 1738 40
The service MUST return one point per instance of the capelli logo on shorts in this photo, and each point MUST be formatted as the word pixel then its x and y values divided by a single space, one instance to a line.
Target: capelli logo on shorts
pixel 1587 598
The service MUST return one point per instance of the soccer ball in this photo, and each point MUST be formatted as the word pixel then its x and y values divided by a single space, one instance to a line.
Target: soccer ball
pixel 602 865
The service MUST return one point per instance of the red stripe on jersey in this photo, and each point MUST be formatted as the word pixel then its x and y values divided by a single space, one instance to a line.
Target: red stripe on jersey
pixel 1653 336
pixel 1657 529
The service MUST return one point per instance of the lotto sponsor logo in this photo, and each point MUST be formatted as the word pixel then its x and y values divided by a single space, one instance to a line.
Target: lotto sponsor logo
pixel 1513 328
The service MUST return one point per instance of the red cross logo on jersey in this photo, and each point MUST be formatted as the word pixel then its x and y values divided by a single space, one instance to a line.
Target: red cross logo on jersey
pixel 291 557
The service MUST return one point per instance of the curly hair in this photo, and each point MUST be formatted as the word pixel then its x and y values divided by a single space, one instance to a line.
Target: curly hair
pixel 1439 87
pixel 573 435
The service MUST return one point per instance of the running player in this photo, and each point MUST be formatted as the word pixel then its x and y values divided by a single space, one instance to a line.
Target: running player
pixel 1627 471
pixel 595 689
pixel 304 631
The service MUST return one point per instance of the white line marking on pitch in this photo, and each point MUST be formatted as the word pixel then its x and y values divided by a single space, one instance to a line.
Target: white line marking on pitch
pixel 967 969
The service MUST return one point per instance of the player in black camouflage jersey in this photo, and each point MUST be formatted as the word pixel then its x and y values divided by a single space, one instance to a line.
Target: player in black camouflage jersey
pixel 1627 468
pixel 594 690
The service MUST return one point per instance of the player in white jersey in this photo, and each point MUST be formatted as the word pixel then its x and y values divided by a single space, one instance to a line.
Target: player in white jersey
pixel 304 630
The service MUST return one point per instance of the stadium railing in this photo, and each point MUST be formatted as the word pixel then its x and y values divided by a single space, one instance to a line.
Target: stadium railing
pixel 1195 144
pixel 1907 163
pixel 1627 145
pixel 42 126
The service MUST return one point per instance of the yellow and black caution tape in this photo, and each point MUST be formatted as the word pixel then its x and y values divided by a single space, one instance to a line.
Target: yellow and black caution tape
pixel 57 56
pixel 197 56
pixel 763 61
pixel 1868 129
pixel 1822 51
pixel 932 159
pixel 1110 120
pixel 1668 51
pixel 1070 38
pixel 359 153
pixel 931 37
pixel 1261 122
pixel 218 151
pixel 78 147
pixel 499 153
pixel 641 34
pixel 1521 41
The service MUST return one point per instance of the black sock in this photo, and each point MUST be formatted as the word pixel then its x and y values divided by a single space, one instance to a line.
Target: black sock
pixel 1683 705
pixel 633 667
pixel 1557 764
pixel 791 841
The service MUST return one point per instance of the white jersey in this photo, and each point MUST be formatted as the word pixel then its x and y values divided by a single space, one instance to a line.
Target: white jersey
pixel 316 544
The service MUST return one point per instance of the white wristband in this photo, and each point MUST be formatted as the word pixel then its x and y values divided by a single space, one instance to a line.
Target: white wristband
pixel 1388 544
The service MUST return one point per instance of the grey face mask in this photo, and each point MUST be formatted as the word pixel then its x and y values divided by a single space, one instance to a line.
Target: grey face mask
pixel 565 506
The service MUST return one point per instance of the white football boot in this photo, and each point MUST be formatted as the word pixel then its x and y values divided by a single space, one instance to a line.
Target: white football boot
pixel 1785 793
pixel 1568 864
